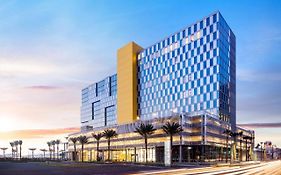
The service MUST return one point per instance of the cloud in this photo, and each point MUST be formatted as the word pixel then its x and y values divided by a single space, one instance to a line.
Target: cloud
pixel 36 133
pixel 42 87
pixel 258 76
pixel 261 125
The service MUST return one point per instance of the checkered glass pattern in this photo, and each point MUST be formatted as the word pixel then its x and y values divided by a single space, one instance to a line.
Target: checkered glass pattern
pixel 183 73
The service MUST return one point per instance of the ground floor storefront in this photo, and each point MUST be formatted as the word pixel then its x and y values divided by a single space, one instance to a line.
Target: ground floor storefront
pixel 190 153
pixel 203 139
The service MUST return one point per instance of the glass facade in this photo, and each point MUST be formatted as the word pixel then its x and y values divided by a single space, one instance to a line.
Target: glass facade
pixel 192 70
pixel 99 103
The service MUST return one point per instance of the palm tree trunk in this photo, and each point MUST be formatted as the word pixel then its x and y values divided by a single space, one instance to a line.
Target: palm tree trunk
pixel 246 150
pixel 17 152
pixel 50 153
pixel 145 143
pixel 98 150
pixel 108 149
pixel 74 152
pixel 82 154
pixel 261 152
pixel 241 150
pixel 54 149
pixel 57 151
pixel 234 147
pixel 226 152
pixel 20 151
pixel 171 144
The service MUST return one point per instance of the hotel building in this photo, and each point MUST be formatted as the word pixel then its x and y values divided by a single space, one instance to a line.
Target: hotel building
pixel 188 77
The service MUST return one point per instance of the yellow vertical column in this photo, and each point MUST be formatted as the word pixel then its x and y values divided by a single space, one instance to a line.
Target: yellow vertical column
pixel 127 83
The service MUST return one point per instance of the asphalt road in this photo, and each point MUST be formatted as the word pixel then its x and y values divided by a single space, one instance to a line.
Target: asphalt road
pixel 33 168
pixel 265 168
pixel 11 168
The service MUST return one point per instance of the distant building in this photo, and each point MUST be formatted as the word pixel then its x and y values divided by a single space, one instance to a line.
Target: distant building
pixel 267 151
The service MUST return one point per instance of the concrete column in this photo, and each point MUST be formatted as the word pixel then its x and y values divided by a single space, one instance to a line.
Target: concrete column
pixel 167 153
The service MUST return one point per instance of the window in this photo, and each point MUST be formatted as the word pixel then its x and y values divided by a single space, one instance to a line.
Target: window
pixel 208 21
pixel 100 87
pixel 186 41
pixel 192 38
pixel 215 18
pixel 201 24
pixel 214 36
pixel 198 34
pixel 109 115
pixel 165 78
pixel 112 85
pixel 95 109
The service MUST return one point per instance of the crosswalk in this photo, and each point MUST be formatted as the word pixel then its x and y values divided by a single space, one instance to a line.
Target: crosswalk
pixel 265 168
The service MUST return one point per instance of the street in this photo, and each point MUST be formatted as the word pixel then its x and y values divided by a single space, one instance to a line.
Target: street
pixel 265 168
pixel 70 168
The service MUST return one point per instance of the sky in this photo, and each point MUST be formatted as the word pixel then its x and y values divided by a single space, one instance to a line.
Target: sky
pixel 50 50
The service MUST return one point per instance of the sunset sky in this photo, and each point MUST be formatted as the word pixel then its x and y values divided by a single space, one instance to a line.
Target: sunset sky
pixel 50 50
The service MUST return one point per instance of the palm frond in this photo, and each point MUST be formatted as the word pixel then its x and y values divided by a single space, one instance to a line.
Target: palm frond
pixel 145 129
pixel 97 136
pixel 109 133
pixel 172 128
pixel 83 139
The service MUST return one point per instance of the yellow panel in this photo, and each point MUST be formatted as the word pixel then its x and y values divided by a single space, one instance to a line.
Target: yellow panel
pixel 127 83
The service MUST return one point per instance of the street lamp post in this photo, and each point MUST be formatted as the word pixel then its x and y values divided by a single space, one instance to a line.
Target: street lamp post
pixel 32 152
pixel 180 158
pixel 4 149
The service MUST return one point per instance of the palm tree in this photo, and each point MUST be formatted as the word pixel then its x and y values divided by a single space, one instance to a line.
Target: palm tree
pixel 241 136
pixel 171 129
pixel 108 134
pixel 16 143
pixel 57 143
pixel 246 138
pixel 228 133
pixel 83 140
pixel 54 149
pixel 260 145
pixel 234 135
pixel 145 130
pixel 262 154
pixel 74 141
pixel 4 149
pixel 12 145
pixel 32 152
pixel 50 149
pixel 44 151
pixel 97 136
pixel 20 143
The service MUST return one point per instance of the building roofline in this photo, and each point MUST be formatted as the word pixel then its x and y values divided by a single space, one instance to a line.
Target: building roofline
pixel 99 81
pixel 183 28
